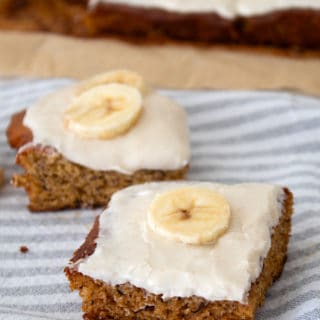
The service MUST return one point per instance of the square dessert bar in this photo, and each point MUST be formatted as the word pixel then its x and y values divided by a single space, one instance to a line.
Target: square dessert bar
pixel 183 250
pixel 80 144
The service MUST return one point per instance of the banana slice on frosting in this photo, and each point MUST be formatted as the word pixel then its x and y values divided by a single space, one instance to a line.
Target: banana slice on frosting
pixel 190 215
pixel 104 111
pixel 121 76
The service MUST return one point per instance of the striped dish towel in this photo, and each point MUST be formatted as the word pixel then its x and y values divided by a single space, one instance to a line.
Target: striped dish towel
pixel 236 137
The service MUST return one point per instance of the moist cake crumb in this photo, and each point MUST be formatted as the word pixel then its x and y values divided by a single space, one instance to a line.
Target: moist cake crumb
pixel 24 249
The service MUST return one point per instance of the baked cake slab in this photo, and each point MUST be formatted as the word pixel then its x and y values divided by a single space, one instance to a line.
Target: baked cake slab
pixel 129 268
pixel 285 24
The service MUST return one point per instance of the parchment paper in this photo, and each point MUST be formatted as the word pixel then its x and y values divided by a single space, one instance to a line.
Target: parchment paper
pixel 169 65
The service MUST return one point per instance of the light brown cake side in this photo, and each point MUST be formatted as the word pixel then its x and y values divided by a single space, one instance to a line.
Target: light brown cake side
pixel 54 183
pixel 104 301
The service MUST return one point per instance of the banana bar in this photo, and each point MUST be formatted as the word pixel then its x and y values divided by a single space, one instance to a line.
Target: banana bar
pixel 183 250
pixel 286 23
pixel 82 143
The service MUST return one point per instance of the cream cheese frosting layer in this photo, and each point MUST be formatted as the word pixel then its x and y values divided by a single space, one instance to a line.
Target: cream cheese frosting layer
pixel 225 8
pixel 128 251
pixel 158 141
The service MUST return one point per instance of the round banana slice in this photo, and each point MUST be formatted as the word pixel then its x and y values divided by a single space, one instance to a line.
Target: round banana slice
pixel 190 215
pixel 104 112
pixel 127 77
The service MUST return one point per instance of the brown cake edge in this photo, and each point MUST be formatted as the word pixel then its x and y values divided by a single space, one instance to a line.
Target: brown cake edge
pixel 53 183
pixel 104 301
pixel 17 133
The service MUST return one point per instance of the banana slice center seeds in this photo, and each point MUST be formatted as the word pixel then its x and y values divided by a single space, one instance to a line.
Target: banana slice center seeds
pixel 190 215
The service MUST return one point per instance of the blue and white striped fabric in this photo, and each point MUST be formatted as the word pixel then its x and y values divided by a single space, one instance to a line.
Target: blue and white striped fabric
pixel 236 136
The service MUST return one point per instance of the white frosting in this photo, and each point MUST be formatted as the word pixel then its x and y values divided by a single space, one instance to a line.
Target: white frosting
pixel 225 8
pixel 159 140
pixel 128 251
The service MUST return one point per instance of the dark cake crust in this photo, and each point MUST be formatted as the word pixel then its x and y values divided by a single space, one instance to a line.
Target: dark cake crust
pixel 291 28
pixel 89 245
pixel 286 28
pixel 54 183
pixel 104 301
pixel 18 135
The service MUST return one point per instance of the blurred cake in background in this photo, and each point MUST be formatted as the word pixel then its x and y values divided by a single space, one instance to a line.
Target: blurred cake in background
pixel 276 23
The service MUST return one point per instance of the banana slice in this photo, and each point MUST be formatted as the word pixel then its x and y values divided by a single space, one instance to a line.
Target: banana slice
pixel 104 112
pixel 190 215
pixel 127 77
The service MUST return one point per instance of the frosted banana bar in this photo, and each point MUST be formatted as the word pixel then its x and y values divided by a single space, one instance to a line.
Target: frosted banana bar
pixel 81 143
pixel 183 250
